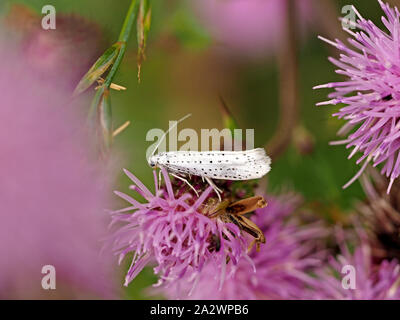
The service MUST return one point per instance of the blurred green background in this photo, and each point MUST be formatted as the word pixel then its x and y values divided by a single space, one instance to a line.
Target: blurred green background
pixel 185 73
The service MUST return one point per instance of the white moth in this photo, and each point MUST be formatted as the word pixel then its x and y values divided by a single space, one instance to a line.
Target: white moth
pixel 224 165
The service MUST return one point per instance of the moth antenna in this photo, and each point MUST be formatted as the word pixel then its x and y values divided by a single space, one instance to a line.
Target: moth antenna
pixel 165 134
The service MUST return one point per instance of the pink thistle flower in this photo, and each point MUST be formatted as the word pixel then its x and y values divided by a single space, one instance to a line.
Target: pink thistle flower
pixel 370 92
pixel 53 191
pixel 252 28
pixel 171 232
pixel 372 281
pixel 282 265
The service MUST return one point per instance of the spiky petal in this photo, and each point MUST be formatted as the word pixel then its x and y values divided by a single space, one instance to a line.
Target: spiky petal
pixel 281 267
pixel 171 232
pixel 371 92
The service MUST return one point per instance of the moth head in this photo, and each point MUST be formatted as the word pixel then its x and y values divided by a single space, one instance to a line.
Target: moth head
pixel 152 161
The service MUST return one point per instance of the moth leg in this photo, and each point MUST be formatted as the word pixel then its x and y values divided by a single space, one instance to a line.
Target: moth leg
pixel 217 190
pixel 159 180
pixel 187 182
pixel 212 184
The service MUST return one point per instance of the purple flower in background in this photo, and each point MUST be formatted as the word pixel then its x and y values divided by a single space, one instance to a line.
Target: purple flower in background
pixel 281 266
pixel 70 49
pixel 173 233
pixel 371 92
pixel 372 282
pixel 53 191
pixel 249 27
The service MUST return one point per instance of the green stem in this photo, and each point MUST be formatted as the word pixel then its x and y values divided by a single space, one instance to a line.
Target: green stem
pixel 126 31
pixel 128 23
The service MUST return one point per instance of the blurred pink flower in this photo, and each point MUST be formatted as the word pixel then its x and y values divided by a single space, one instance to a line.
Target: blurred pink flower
pixel 282 266
pixel 250 27
pixel 52 191
pixel 62 55
pixel 372 281
pixel 171 232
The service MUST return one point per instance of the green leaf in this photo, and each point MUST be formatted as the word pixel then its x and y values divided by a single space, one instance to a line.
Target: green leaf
pixel 92 115
pixel 227 117
pixel 143 27
pixel 97 70
pixel 106 118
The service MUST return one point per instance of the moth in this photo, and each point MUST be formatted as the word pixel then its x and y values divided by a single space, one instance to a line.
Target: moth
pixel 224 165
pixel 234 213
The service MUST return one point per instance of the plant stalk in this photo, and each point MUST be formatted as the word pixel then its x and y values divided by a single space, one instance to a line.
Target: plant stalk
pixel 124 36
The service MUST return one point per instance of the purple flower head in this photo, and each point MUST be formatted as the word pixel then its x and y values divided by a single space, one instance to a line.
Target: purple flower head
pixel 252 28
pixel 53 190
pixel 171 231
pixel 371 92
pixel 281 266
pixel 372 281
